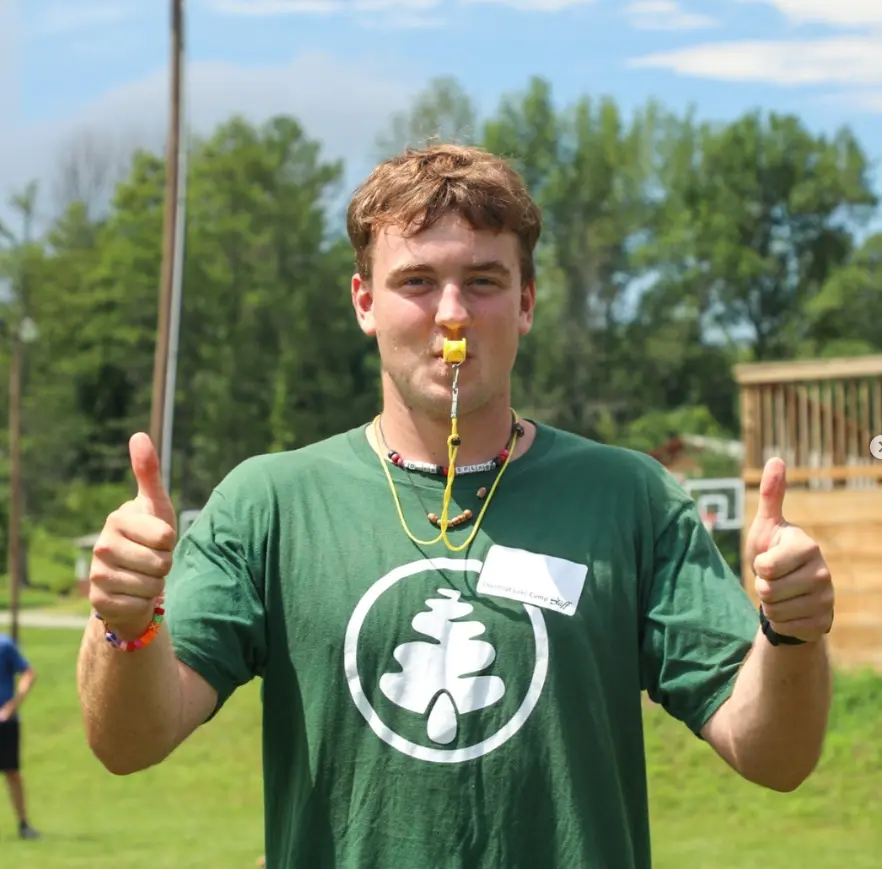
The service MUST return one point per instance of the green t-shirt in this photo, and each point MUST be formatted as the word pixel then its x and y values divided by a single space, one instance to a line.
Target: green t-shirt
pixel 471 710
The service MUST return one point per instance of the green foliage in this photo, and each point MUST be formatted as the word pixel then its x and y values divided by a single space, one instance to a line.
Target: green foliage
pixel 52 561
pixel 82 507
pixel 646 432
pixel 672 249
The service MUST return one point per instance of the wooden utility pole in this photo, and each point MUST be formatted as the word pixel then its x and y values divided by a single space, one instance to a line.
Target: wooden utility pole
pixel 15 482
pixel 160 359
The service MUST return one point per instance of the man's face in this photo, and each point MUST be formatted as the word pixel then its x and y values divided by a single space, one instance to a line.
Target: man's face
pixel 448 281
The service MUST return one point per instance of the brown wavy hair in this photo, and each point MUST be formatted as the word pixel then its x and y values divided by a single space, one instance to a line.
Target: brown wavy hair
pixel 416 188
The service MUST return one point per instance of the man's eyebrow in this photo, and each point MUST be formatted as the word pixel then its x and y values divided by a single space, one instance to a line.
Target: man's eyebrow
pixel 493 265
pixel 409 268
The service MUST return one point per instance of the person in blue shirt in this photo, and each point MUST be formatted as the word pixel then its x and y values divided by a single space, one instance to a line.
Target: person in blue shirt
pixel 12 695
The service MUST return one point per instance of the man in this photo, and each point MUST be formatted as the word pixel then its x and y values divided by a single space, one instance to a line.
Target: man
pixel 453 662
pixel 12 665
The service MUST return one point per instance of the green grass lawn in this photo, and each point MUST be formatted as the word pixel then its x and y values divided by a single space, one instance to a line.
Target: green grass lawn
pixel 29 598
pixel 203 808
pixel 44 600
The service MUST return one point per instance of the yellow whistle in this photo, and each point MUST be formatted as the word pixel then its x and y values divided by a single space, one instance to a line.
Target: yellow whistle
pixel 454 351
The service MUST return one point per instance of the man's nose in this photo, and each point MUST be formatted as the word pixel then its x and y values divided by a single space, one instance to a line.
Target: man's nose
pixel 452 313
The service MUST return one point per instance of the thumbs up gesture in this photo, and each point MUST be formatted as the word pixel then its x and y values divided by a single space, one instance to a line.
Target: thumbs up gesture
pixel 133 553
pixel 793 581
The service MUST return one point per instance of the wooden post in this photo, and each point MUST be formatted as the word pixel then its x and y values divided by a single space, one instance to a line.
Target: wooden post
pixel 15 485
pixel 160 359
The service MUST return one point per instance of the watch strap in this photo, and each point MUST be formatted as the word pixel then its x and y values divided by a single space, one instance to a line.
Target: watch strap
pixel 773 636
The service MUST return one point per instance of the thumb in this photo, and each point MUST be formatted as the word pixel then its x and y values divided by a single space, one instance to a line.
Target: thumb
pixel 773 486
pixel 770 509
pixel 148 475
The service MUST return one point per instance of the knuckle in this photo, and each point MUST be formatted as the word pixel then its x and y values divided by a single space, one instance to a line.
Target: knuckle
pixel 99 572
pixel 165 536
pixel 97 598
pixel 102 546
pixel 762 566
pixel 165 561
pixel 772 611
pixel 763 590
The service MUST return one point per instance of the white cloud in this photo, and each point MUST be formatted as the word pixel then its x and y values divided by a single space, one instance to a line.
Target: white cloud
pixel 313 7
pixel 666 15
pixel 536 5
pixel 62 18
pixel 860 100
pixel 346 113
pixel 843 60
pixel 834 13
pixel 372 14
pixel 283 7
pixel 850 63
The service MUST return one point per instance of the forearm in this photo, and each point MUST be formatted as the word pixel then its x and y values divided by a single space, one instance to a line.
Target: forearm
pixel 131 701
pixel 25 683
pixel 776 720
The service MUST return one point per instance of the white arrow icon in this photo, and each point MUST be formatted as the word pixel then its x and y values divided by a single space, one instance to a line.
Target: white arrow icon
pixel 876 447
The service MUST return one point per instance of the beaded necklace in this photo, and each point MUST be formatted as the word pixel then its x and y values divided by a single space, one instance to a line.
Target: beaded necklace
pixel 442 470
pixel 454 352
pixel 517 431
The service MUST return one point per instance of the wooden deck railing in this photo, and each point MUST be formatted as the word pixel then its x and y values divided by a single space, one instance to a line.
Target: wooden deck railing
pixel 818 415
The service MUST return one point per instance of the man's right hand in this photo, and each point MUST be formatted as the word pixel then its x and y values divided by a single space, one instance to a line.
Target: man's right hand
pixel 133 554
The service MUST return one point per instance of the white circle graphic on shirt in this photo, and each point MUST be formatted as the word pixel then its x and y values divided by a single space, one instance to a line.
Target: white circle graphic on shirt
pixel 386 733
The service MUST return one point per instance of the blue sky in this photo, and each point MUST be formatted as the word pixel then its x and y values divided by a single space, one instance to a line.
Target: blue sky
pixel 95 70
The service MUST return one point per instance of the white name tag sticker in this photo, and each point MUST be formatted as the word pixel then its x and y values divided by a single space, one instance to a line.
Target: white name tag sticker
pixel 542 580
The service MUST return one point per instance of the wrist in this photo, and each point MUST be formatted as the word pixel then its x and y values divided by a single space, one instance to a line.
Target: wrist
pixel 129 636
pixel 774 637
pixel 124 629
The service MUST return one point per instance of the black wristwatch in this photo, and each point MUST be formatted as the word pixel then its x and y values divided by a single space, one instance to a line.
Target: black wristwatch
pixel 775 638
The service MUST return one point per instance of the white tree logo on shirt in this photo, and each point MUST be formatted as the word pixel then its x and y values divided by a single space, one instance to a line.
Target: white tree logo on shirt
pixel 434 677
pixel 443 677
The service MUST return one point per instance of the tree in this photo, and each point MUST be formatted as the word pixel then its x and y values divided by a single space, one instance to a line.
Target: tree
pixel 591 172
pixel 758 215
pixel 844 318
pixel 442 112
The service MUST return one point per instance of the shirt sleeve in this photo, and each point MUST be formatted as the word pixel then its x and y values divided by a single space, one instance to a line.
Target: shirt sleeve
pixel 699 623
pixel 18 661
pixel 214 596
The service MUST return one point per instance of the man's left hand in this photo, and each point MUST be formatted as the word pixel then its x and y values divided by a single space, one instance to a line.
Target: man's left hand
pixel 7 710
pixel 793 582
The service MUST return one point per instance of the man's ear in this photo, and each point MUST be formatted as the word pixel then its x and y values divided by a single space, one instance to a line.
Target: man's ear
pixel 363 302
pixel 528 306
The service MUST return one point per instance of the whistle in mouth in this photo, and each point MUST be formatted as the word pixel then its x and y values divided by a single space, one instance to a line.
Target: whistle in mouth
pixel 454 351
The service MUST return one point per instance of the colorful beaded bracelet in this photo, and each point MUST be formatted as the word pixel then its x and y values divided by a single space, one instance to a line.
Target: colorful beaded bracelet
pixel 144 640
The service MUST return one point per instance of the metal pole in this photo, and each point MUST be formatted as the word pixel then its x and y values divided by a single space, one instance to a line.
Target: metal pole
pixel 15 483
pixel 180 223
pixel 160 359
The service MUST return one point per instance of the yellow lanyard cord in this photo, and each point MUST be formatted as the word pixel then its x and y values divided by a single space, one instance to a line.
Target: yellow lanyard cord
pixel 452 449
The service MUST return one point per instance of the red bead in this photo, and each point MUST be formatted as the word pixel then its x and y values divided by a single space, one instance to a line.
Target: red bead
pixel 443 470
pixel 503 455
